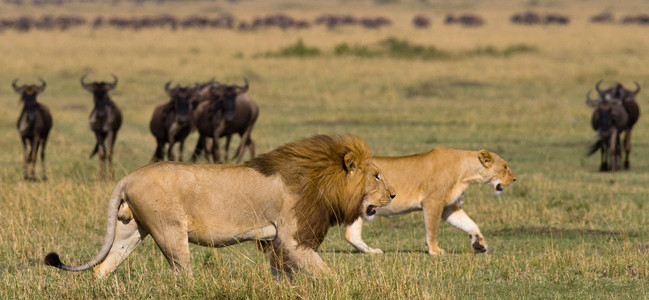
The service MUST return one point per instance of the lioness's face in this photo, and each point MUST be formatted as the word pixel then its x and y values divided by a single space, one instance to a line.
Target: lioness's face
pixel 496 172
pixel 378 192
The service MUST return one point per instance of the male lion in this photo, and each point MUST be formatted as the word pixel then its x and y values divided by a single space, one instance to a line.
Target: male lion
pixel 286 199
pixel 435 183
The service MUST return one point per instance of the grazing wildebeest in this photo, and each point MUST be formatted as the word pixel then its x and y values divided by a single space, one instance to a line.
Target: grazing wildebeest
pixel 616 111
pixel 34 125
pixel 105 120
pixel 228 111
pixel 171 122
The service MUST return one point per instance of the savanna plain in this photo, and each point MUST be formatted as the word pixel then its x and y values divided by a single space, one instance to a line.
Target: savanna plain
pixel 563 230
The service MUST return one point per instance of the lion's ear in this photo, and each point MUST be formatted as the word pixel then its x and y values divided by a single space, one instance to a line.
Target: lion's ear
pixel 349 161
pixel 485 158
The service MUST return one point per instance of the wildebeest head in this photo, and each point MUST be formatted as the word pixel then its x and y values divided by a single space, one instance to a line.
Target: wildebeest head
pixel 99 89
pixel 228 94
pixel 618 92
pixel 181 98
pixel 28 95
pixel 609 113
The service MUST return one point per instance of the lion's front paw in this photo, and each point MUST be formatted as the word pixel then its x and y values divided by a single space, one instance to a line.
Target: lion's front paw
pixel 374 250
pixel 436 251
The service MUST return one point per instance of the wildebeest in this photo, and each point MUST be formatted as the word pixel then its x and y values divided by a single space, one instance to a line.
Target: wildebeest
pixel 616 111
pixel 228 111
pixel 171 122
pixel 105 120
pixel 34 125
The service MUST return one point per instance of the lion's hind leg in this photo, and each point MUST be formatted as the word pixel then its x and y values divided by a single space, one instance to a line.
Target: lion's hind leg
pixel 173 241
pixel 128 235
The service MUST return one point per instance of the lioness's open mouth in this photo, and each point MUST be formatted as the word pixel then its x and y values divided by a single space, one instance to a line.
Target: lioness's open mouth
pixel 371 210
pixel 499 187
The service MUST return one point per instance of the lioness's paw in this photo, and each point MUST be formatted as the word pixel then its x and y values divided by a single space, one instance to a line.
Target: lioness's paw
pixel 479 244
pixel 479 248
pixel 436 251
pixel 375 250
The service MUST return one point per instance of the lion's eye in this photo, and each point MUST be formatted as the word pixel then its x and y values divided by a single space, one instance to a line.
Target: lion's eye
pixel 377 177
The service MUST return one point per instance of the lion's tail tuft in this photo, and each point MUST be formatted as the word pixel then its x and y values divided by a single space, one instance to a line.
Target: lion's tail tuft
pixel 52 259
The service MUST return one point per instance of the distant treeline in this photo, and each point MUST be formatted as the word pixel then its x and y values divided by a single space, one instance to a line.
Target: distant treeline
pixel 279 20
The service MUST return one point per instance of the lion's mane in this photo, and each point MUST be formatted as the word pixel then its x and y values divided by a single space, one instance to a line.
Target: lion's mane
pixel 315 171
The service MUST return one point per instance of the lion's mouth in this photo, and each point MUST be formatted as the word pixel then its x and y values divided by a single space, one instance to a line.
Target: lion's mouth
pixel 371 210
pixel 499 187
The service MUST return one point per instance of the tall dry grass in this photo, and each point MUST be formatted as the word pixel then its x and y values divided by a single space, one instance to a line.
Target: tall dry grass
pixel 562 231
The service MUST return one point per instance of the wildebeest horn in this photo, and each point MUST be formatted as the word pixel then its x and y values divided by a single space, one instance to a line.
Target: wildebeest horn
pixel 18 89
pixel 599 91
pixel 591 102
pixel 167 86
pixel 637 90
pixel 114 84
pixel 83 84
pixel 245 87
pixel 42 87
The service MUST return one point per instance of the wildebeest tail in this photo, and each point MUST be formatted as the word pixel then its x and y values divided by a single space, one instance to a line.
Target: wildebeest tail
pixel 594 147
pixel 94 151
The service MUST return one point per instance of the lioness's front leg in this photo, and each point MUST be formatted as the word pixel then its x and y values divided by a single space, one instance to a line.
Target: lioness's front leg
pixel 456 216
pixel 432 216
pixel 353 236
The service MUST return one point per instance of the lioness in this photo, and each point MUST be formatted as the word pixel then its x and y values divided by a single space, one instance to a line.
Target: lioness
pixel 287 199
pixel 435 183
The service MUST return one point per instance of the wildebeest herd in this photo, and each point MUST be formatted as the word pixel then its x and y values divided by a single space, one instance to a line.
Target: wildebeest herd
pixel 215 110
pixel 283 21
pixel 218 110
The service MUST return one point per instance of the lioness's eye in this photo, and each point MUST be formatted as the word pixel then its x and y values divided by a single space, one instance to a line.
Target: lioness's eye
pixel 377 177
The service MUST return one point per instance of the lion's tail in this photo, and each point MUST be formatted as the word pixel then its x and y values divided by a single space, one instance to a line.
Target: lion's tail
pixel 52 259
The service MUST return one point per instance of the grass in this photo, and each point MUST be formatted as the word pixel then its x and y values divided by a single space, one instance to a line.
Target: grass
pixel 563 230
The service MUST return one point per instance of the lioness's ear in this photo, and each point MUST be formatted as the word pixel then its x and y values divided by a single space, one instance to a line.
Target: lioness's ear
pixel 485 158
pixel 349 162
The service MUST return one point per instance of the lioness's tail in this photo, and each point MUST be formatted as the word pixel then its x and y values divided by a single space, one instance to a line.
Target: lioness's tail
pixel 52 259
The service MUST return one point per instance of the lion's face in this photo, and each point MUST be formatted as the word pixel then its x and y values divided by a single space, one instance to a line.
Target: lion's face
pixel 378 191
pixel 496 172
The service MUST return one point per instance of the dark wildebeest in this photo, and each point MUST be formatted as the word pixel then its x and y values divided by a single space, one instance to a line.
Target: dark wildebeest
pixel 171 122
pixel 616 111
pixel 34 125
pixel 105 120
pixel 228 111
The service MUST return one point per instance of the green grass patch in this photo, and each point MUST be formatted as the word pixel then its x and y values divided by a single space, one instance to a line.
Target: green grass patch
pixel 299 49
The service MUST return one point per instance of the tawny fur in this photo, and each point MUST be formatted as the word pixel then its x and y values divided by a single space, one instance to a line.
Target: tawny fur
pixel 279 198
pixel 435 183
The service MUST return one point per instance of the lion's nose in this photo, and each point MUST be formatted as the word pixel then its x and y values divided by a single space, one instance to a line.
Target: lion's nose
pixel 392 196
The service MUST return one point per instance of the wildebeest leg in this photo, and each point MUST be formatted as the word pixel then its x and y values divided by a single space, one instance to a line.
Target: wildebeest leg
pixel 159 150
pixel 251 147
pixel 43 145
pixel 604 156
pixel 110 138
pixel 614 151
pixel 245 137
pixel 101 151
pixel 200 145
pixel 33 154
pixel 180 149
pixel 215 147
pixel 25 159
pixel 627 148
pixel 171 137
pixel 228 139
